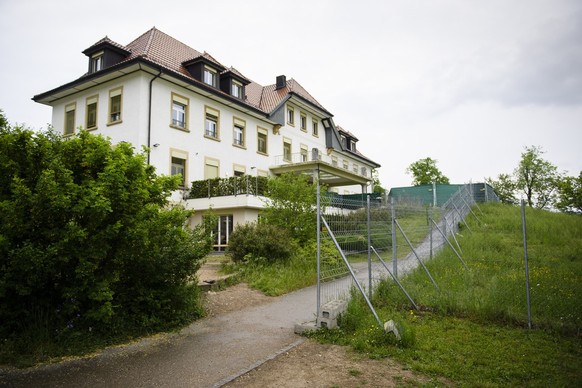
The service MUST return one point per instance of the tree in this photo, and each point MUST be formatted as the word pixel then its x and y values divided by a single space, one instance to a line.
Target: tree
pixel 505 188
pixel 291 205
pixel 536 178
pixel 378 189
pixel 87 239
pixel 426 172
pixel 570 194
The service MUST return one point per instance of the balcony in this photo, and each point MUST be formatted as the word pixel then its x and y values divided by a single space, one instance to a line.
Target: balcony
pixel 333 171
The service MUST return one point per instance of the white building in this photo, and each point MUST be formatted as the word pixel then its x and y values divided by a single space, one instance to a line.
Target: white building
pixel 204 120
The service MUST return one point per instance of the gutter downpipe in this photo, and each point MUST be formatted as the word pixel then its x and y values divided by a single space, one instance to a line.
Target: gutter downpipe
pixel 150 114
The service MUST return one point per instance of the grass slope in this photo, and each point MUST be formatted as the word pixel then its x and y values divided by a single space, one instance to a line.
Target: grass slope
pixel 473 330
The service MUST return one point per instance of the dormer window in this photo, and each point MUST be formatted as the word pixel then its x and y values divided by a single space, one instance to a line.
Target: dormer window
pixel 236 89
pixel 97 62
pixel 352 146
pixel 209 76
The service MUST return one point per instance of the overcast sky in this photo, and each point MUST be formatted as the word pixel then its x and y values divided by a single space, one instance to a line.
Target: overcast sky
pixel 468 83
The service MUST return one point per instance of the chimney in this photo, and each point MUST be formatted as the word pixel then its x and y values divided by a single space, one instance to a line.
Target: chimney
pixel 281 82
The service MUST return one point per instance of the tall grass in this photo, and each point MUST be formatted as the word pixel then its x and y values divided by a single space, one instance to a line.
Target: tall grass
pixel 473 328
pixel 493 288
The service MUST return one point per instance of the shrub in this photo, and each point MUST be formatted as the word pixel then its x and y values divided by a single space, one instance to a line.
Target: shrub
pixel 87 239
pixel 258 240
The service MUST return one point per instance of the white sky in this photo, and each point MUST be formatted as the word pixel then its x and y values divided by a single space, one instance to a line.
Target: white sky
pixel 468 83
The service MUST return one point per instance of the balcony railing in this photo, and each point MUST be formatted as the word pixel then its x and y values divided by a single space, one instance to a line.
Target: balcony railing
pixel 298 158
pixel 222 187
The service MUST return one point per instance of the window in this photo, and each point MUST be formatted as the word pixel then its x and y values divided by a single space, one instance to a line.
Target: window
pixel 262 141
pixel 315 130
pixel 211 168
pixel 211 128
pixel 209 76
pixel 178 162
pixel 334 161
pixel 239 170
pixel 304 153
pixel 344 141
pixel 96 62
pixel 222 232
pixel 238 136
pixel 236 89
pixel 115 101
pixel 91 112
pixel 70 119
pixel 355 168
pixel 352 146
pixel 345 164
pixel 303 122
pixel 290 116
pixel 179 112
pixel 287 150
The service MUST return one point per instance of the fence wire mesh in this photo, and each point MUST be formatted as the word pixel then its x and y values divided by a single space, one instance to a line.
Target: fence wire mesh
pixel 384 237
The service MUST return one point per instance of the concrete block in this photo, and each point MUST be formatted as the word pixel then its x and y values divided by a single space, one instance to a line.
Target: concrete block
pixel 332 309
pixel 327 323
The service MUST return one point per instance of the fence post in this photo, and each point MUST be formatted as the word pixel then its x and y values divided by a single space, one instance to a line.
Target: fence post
pixel 526 264
pixel 369 248
pixel 394 252
pixel 318 309
pixel 430 231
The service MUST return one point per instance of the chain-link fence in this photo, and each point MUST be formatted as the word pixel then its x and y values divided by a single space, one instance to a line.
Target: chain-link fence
pixel 363 240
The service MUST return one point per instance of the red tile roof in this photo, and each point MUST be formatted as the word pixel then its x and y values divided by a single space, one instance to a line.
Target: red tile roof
pixel 168 52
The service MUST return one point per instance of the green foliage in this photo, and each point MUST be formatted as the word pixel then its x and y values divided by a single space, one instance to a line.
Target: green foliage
pixel 425 172
pixel 505 188
pixel 87 241
pixel 536 178
pixel 291 205
pixel 254 241
pixel 235 185
pixel 378 189
pixel 570 194
pixel 473 330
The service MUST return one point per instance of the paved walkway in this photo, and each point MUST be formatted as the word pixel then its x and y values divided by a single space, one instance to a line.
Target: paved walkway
pixel 208 353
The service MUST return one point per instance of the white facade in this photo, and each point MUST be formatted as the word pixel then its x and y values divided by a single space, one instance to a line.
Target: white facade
pixel 300 135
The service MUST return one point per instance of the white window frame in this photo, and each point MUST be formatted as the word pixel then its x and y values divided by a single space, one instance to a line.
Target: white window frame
pixel 70 111
pixel 179 106
pixel 183 156
pixel 290 115
pixel 303 121
pixel 239 133
pixel 287 151
pixel 315 128
pixel 211 123
pixel 260 133
pixel 236 89
pixel 89 102
pixel 210 76
pixel 97 62
pixel 115 117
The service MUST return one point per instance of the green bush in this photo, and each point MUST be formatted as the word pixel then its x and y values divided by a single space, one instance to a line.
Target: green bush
pixel 87 240
pixel 258 240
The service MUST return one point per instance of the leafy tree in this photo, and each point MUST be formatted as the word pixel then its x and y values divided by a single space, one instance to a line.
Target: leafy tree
pixel 425 172
pixel 570 194
pixel 376 184
pixel 87 239
pixel 505 188
pixel 536 178
pixel 291 205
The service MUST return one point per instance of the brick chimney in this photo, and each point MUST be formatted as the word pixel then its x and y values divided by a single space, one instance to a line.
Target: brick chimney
pixel 281 82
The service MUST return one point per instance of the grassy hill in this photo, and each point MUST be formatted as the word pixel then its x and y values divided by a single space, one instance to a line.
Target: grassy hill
pixel 473 330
